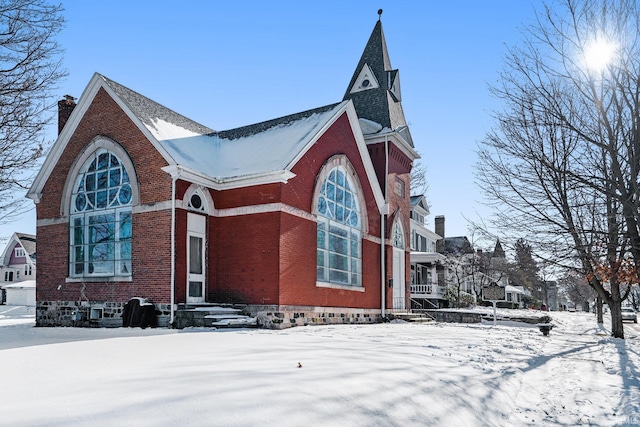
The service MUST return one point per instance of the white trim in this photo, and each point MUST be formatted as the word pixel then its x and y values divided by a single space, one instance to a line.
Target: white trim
pixel 203 192
pixel 229 212
pixel 97 279
pixel 337 286
pixel 365 74
pixel 43 222
pixel 152 207
pixel 186 174
pixel 398 141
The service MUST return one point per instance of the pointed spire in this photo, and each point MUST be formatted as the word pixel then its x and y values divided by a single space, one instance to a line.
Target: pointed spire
pixel 498 252
pixel 375 86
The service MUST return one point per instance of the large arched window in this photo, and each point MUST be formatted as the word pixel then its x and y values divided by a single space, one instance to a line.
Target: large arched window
pixel 100 218
pixel 339 257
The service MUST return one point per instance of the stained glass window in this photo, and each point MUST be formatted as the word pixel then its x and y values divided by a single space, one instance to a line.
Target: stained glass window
pixel 339 257
pixel 101 218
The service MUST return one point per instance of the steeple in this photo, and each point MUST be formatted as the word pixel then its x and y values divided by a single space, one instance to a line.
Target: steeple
pixel 498 252
pixel 375 86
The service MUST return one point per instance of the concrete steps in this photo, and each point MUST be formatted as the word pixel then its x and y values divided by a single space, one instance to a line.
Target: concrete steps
pixel 412 317
pixel 212 315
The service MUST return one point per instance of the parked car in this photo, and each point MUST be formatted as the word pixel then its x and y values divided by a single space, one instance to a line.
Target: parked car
pixel 629 313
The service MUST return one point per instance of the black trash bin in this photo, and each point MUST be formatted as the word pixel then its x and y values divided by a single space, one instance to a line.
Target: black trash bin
pixel 139 313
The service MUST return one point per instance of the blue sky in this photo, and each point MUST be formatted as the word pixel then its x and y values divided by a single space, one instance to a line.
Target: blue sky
pixel 234 63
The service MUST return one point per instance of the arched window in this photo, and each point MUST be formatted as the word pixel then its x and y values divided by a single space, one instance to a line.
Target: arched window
pixel 198 199
pixel 398 236
pixel 339 257
pixel 100 215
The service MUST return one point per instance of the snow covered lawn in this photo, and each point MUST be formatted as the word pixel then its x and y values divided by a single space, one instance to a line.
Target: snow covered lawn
pixel 396 374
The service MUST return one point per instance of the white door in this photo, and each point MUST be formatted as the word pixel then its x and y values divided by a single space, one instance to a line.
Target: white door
pixel 196 243
pixel 398 279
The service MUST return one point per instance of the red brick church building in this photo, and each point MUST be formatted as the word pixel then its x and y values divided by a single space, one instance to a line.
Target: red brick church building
pixel 285 218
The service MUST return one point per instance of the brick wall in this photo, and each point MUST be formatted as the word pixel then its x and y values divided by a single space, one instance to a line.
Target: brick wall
pixel 260 258
pixel 150 229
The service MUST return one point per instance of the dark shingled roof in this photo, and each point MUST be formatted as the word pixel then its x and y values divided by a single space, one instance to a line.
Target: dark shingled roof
pixel 498 252
pixel 381 105
pixel 147 110
pixel 257 128
pixel 457 245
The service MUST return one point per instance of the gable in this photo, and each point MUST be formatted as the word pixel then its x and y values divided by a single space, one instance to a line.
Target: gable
pixel 16 241
pixel 355 136
pixel 138 109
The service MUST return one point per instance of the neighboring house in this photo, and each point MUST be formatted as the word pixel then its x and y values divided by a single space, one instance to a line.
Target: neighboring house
pixel 286 217
pixel 514 295
pixel 425 291
pixel 18 270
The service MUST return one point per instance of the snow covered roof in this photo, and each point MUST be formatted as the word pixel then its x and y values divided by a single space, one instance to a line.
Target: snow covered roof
pixel 156 117
pixel 514 289
pixel 256 154
pixel 27 284
pixel 251 150
pixel 257 149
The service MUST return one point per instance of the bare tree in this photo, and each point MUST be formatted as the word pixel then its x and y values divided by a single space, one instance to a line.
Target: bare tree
pixel 563 164
pixel 419 183
pixel 30 68
pixel 577 288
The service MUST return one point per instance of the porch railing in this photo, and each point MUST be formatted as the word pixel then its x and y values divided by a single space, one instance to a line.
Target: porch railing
pixel 427 289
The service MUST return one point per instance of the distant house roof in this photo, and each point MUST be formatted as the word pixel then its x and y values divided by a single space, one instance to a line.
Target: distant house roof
pixel 419 201
pixel 26 241
pixel 457 245
pixel 498 252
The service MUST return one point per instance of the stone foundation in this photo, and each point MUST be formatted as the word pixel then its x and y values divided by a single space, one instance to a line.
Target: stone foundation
pixel 89 314
pixel 109 315
pixel 283 317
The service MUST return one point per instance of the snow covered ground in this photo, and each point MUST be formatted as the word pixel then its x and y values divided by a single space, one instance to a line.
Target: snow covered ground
pixel 396 374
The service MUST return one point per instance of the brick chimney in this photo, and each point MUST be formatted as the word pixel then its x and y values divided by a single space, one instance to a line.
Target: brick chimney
pixel 439 220
pixel 65 108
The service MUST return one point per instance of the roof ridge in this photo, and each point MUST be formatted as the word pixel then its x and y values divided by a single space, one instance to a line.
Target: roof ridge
pixel 260 127
pixel 142 106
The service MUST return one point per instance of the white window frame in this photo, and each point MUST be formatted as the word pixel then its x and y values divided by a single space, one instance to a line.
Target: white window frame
pixel 120 266
pixel 329 228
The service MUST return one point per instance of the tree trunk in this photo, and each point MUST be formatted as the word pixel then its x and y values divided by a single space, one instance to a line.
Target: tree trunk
pixel 617 330
pixel 599 316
